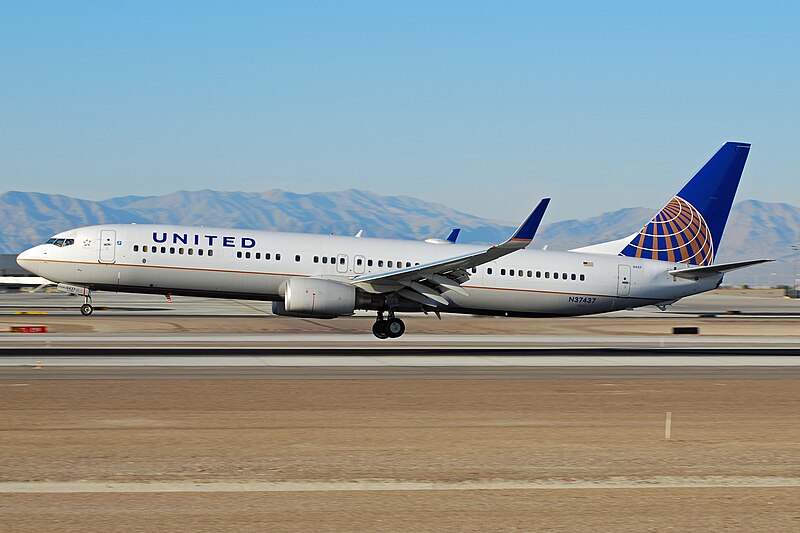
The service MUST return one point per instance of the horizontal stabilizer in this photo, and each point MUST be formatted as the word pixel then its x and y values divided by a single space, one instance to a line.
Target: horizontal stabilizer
pixel 713 270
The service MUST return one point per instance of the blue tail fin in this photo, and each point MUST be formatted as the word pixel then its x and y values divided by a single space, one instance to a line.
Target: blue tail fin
pixel 689 228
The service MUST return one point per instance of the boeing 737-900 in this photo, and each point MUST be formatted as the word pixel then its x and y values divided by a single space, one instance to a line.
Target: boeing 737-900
pixel 327 276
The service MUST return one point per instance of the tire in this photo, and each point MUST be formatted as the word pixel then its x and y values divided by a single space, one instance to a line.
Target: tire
pixel 86 309
pixel 379 329
pixel 395 328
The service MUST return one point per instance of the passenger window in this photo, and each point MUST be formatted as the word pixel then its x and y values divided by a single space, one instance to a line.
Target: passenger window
pixel 258 255
pixel 163 249
pixel 369 262
pixel 359 261
pixel 538 273
pixel 530 273
pixel 341 260
pixel 489 271
pixel 547 275
pixel 564 275
pixel 380 262
pixel 277 257
pixel 191 251
pixel 333 260
pixel 172 249
pixel 135 247
pixel 389 264
pixel 324 260
pixel 582 277
pixel 267 256
pixel 502 271
pixel 247 255
pixel 408 263
pixel 573 277
pixel 200 251
pixel 239 254
pixel 474 270
pixel 180 251
pixel 210 253
pixel 144 248
pixel 511 272
pixel 297 259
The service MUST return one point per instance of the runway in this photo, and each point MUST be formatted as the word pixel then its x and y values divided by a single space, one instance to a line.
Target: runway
pixel 216 412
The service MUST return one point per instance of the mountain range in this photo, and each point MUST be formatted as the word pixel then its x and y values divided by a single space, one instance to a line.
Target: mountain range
pixel 755 229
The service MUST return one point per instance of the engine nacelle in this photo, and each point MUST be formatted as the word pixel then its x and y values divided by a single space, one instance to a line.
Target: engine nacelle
pixel 321 298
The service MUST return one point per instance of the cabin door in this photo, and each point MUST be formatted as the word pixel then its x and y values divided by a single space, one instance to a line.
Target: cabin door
pixel 108 246
pixel 624 280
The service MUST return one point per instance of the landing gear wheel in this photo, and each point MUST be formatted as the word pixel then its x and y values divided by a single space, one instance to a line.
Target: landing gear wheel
pixel 86 309
pixel 395 327
pixel 379 329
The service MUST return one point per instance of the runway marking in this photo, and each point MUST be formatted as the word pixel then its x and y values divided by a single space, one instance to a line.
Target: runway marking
pixel 614 483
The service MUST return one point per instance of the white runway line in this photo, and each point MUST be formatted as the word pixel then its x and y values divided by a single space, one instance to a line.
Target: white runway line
pixel 617 483
pixel 452 361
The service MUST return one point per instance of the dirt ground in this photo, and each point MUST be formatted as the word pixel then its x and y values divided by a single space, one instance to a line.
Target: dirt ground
pixel 595 447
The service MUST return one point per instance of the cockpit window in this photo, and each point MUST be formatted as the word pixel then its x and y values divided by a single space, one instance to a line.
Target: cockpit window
pixel 60 242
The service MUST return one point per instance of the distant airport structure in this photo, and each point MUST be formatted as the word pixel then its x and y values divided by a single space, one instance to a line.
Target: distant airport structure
pixel 13 276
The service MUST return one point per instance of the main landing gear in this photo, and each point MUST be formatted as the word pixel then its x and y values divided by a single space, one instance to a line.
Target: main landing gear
pixel 388 328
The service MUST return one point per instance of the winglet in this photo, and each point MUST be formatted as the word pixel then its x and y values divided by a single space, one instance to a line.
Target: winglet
pixel 454 235
pixel 527 230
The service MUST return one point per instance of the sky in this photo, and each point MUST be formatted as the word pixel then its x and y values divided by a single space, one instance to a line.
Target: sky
pixel 483 106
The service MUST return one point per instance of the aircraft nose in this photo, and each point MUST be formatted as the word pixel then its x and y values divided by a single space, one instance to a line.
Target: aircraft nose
pixel 27 259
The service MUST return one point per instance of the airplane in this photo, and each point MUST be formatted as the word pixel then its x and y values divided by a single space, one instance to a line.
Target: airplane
pixel 328 276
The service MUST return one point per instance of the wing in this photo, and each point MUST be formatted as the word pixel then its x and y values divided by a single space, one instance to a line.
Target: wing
pixel 425 283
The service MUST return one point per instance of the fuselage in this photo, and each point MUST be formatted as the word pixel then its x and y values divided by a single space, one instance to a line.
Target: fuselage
pixel 247 264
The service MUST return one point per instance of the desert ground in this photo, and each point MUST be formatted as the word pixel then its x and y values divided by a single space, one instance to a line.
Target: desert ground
pixel 528 454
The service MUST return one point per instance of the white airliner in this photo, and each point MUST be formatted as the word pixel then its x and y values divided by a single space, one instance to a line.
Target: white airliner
pixel 326 276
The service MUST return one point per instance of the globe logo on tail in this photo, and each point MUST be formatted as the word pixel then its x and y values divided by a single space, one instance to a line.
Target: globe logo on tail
pixel 678 234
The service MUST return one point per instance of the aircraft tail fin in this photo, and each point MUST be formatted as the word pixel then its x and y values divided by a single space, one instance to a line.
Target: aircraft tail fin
pixel 689 228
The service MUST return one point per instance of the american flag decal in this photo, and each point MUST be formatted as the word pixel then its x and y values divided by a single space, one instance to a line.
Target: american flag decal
pixel 588 263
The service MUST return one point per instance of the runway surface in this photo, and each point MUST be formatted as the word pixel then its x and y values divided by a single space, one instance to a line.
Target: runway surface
pixel 216 415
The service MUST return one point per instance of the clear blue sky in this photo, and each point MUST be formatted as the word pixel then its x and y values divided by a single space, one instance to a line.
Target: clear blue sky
pixel 485 107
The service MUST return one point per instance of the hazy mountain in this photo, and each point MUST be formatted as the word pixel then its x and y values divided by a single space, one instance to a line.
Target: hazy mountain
pixel 755 229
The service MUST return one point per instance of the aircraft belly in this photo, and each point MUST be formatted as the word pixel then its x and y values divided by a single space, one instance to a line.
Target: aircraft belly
pixel 132 277
pixel 532 302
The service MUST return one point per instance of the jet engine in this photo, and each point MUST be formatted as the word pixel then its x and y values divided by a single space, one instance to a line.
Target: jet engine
pixel 316 298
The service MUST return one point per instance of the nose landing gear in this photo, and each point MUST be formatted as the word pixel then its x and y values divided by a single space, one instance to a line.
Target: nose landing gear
pixel 388 328
pixel 86 308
